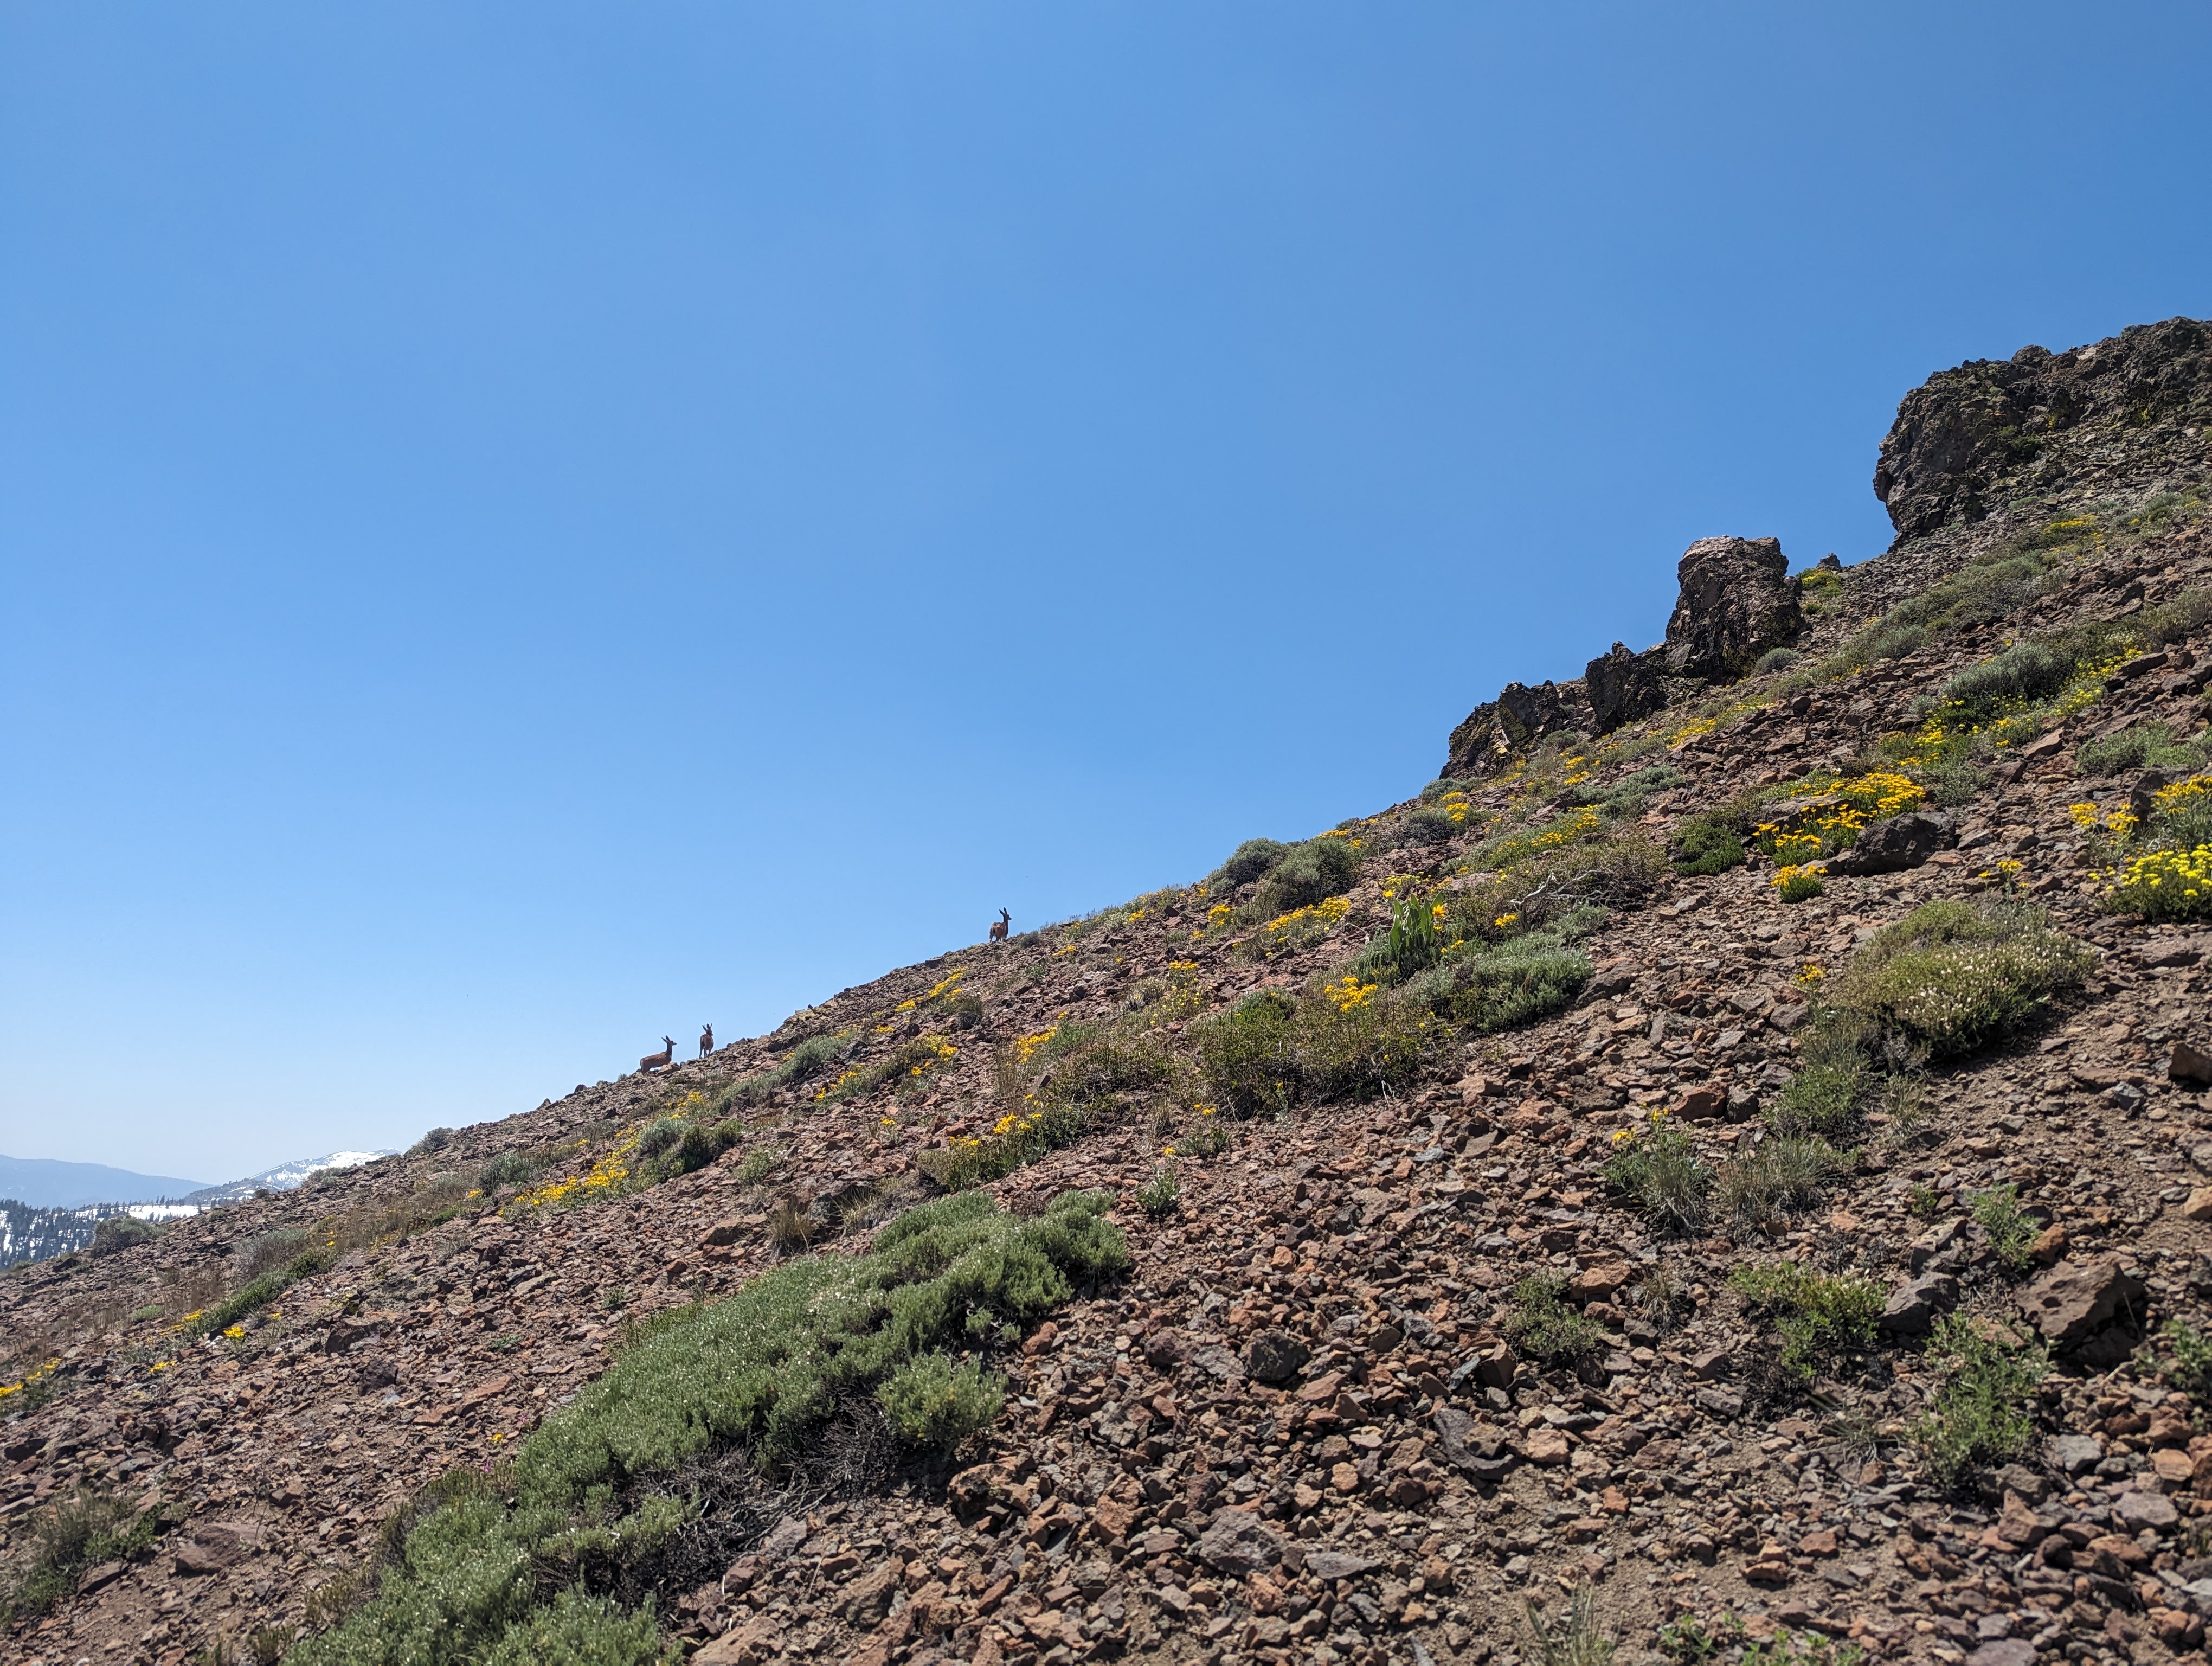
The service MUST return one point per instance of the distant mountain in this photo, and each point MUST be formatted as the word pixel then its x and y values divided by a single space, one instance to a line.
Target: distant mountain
pixel 281 1178
pixel 45 1184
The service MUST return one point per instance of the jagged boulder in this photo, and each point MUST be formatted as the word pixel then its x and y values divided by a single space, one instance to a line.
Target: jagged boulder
pixel 1498 731
pixel 1622 687
pixel 1737 601
pixel 1968 441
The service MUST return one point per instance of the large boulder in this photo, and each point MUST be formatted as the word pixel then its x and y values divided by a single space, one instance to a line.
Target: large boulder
pixel 1968 441
pixel 1622 687
pixel 1737 601
pixel 1894 843
pixel 2076 1299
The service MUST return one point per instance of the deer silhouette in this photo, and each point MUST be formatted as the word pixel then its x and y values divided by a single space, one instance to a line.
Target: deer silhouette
pixel 659 1060
pixel 999 926
pixel 706 1040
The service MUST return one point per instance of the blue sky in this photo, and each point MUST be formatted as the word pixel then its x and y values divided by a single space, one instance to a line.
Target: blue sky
pixel 523 529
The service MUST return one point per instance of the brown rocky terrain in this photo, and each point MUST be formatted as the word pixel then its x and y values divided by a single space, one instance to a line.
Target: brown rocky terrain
pixel 1312 1421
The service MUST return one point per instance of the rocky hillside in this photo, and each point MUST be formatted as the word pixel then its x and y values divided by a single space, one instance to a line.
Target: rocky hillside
pixel 1720 1171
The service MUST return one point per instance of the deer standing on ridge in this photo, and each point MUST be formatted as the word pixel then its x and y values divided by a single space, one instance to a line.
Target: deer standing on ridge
pixel 659 1060
pixel 999 926
pixel 706 1040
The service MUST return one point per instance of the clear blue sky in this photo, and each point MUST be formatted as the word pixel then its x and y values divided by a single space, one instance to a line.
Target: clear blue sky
pixel 524 528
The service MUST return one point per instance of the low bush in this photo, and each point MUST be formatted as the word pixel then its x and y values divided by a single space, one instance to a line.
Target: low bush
pixel 1799 883
pixel 1957 974
pixel 1270 1051
pixel 116 1233
pixel 589 1499
pixel 2022 673
pixel 1821 1099
pixel 264 1253
pixel 435 1140
pixel 1774 659
pixel 2145 746
pixel 1247 862
pixel 509 1169
pixel 1817 1317
pixel 930 1402
pixel 1708 842
pixel 2190 1352
pixel 76 1532
pixel 2011 1229
pixel 1161 1192
pixel 1544 1325
pixel 1658 1171
pixel 1306 874
pixel 1980 1416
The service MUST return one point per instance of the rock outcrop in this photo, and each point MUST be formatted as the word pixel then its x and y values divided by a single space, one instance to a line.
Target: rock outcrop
pixel 1737 601
pixel 1968 441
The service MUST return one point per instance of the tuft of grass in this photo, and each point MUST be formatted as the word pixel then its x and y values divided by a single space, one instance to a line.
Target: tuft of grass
pixel 1658 1172
pixel 1922 1201
pixel 1574 1637
pixel 86 1527
pixel 1783 1176
pixel 588 1497
pixel 1833 1075
pixel 1544 1325
pixel 1817 1317
pixel 1955 974
pixel 1980 1415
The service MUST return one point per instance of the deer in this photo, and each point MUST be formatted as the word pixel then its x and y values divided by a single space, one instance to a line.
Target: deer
pixel 999 926
pixel 706 1039
pixel 659 1061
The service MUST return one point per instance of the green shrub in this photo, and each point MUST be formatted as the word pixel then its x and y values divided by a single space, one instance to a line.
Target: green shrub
pixel 1980 1417
pixel 1411 944
pixel 509 1168
pixel 1247 862
pixel 930 1403
pixel 760 1163
pixel 1798 884
pixel 2022 673
pixel 1162 1191
pixel 1822 1099
pixel 655 1137
pixel 1543 1325
pixel 583 1631
pixel 2010 1230
pixel 2145 746
pixel 262 1290
pixel 1774 659
pixel 1951 780
pixel 1306 874
pixel 1431 825
pixel 1487 987
pixel 1817 1317
pixel 116 1233
pixel 1269 1052
pixel 2192 1352
pixel 435 1140
pixel 476 1576
pixel 1957 974
pixel 1707 843
pixel 1658 1171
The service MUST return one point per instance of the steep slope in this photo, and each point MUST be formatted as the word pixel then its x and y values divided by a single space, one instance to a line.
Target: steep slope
pixel 1522 1196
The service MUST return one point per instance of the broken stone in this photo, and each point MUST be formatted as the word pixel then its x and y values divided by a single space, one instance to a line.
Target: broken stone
pixel 2138 1510
pixel 1274 1356
pixel 1915 1305
pixel 2189 1064
pixel 1239 1541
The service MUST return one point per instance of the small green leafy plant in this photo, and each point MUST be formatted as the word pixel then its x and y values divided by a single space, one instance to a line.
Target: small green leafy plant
pixel 1818 1317
pixel 1979 1417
